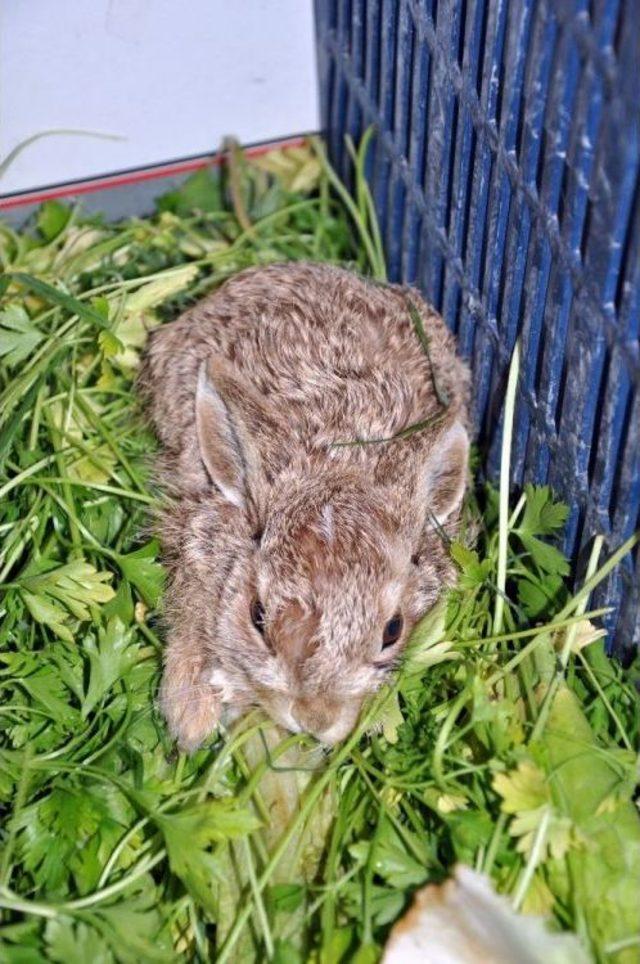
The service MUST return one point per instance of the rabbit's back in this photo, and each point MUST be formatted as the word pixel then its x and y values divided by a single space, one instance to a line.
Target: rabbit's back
pixel 338 355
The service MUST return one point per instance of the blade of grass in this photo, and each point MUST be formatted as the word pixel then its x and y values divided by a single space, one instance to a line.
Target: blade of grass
pixel 377 270
pixel 13 154
pixel 505 479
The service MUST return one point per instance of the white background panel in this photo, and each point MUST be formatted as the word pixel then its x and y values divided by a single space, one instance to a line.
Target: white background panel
pixel 171 77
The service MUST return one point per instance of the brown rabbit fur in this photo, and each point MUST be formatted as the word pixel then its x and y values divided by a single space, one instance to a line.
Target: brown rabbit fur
pixel 289 556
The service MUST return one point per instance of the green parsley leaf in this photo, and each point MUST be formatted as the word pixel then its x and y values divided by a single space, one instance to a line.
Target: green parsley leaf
pixel 19 336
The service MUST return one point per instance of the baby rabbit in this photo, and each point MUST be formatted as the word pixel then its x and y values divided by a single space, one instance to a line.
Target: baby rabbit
pixel 298 565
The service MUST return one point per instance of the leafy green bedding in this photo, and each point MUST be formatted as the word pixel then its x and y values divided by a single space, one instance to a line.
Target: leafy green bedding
pixel 509 742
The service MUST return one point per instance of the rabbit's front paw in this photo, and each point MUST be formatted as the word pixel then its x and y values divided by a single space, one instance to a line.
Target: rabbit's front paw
pixel 191 707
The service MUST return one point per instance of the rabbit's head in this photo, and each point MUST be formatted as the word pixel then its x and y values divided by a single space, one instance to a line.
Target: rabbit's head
pixel 339 561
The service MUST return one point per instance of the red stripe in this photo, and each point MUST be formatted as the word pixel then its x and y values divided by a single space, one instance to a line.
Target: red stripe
pixel 109 181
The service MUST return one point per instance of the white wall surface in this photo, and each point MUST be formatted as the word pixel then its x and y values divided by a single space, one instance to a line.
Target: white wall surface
pixel 171 77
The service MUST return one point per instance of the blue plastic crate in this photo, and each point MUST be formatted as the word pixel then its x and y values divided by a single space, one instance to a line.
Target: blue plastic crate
pixel 505 169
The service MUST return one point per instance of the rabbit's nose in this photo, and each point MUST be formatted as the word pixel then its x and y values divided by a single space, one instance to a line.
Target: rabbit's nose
pixel 314 716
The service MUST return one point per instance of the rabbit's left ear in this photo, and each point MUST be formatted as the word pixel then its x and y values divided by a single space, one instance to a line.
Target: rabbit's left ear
pixel 443 474
pixel 229 422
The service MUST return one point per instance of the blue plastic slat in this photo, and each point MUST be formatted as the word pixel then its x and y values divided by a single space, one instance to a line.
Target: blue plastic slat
pixel 439 116
pixel 346 87
pixel 357 42
pixel 373 12
pixel 459 209
pixel 416 155
pixel 339 94
pixel 400 134
pixel 388 30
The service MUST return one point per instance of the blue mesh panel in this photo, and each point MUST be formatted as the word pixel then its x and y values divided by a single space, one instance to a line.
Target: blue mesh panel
pixel 505 169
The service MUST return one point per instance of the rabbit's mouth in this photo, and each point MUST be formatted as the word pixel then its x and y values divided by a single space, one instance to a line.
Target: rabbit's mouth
pixel 336 733
pixel 325 719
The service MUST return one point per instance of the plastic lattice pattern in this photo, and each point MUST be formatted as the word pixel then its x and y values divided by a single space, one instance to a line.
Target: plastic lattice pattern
pixel 505 168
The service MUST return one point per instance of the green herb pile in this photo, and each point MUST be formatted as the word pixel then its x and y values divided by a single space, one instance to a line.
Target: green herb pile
pixel 509 742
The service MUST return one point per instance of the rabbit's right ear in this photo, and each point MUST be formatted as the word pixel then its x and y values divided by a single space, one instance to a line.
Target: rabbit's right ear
pixel 228 418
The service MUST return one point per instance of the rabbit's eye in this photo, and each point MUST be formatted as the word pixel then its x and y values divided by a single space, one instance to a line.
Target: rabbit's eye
pixel 257 615
pixel 392 631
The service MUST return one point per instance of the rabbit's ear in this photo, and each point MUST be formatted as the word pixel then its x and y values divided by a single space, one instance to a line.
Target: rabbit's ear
pixel 228 416
pixel 444 472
